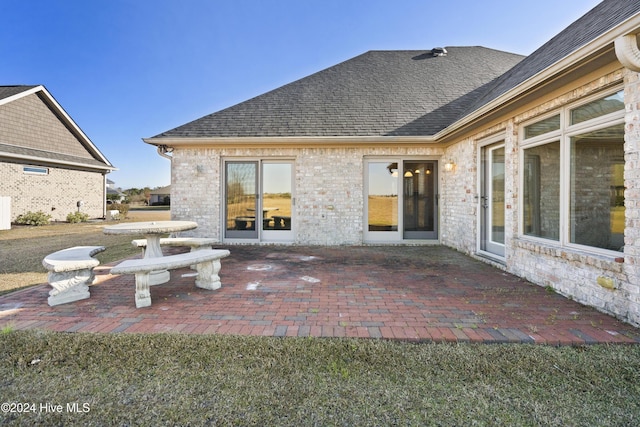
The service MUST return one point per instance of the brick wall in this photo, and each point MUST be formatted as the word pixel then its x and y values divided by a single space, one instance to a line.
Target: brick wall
pixel 602 281
pixel 328 188
pixel 56 193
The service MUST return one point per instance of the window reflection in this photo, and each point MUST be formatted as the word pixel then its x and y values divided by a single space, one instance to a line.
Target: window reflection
pixel 383 196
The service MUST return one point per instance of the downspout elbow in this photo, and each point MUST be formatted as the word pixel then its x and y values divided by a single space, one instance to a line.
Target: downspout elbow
pixel 627 51
pixel 163 150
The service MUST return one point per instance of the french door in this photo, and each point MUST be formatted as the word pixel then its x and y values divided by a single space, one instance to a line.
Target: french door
pixel 258 200
pixel 492 206
pixel 401 202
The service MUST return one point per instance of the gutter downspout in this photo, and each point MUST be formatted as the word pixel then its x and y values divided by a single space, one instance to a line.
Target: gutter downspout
pixel 627 51
pixel 163 150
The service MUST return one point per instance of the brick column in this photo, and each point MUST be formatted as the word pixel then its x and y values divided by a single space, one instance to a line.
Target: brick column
pixel 632 192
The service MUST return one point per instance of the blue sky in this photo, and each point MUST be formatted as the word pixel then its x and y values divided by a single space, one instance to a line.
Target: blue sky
pixel 130 69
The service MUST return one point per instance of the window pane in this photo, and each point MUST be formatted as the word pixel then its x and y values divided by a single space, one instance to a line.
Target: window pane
pixel 600 107
pixel 597 189
pixel 542 127
pixel 542 191
pixel 497 195
pixel 241 196
pixel 418 201
pixel 383 196
pixel 276 196
pixel 35 170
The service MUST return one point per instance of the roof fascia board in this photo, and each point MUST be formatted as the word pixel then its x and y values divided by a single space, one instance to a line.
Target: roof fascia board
pixel 291 141
pixel 13 156
pixel 631 25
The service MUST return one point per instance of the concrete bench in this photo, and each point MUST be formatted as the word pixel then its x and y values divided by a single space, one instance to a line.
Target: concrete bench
pixel 195 243
pixel 71 273
pixel 207 262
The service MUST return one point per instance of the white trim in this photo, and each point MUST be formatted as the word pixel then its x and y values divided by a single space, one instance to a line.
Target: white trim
pixel 290 140
pixel 54 162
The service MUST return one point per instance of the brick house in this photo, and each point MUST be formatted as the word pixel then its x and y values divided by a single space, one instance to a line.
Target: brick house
pixel 46 162
pixel 530 163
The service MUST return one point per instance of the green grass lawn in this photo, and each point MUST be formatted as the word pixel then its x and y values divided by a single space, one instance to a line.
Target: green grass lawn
pixel 171 379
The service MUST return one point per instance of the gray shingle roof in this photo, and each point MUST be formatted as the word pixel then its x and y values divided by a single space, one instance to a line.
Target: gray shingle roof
pixel 374 94
pixel 399 93
pixel 7 91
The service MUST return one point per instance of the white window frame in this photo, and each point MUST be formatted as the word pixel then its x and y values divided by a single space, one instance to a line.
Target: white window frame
pixel 564 135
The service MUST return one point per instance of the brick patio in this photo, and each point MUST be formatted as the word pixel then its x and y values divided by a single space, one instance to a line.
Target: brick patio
pixel 417 293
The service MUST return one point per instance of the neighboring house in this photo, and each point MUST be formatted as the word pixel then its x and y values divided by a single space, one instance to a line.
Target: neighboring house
pixel 46 162
pixel 160 196
pixel 114 195
pixel 530 164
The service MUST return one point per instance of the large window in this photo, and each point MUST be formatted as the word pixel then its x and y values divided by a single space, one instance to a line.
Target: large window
pixel 572 183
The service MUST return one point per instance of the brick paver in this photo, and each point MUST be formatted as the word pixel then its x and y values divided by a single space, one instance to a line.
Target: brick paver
pixel 416 293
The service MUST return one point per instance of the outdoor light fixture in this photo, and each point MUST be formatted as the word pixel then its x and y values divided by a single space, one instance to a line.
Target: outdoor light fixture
pixel 449 166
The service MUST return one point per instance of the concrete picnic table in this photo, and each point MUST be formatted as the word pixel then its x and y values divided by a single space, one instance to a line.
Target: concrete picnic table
pixel 153 231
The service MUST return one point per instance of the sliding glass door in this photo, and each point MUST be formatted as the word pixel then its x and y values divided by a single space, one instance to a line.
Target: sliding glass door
pixel 401 202
pixel 258 200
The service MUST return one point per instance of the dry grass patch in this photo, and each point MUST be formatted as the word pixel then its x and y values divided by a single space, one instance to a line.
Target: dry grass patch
pixel 23 247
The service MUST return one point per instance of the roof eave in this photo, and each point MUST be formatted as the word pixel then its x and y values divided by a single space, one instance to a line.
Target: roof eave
pixel 43 160
pixel 288 141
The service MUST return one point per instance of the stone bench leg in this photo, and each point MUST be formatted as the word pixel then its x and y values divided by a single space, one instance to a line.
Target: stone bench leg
pixel 143 296
pixel 69 286
pixel 208 275
pixel 199 248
